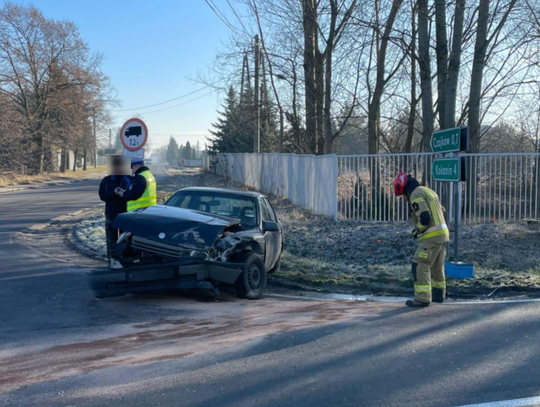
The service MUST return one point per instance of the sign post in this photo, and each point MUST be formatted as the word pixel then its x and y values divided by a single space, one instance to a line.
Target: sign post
pixel 134 135
pixel 452 168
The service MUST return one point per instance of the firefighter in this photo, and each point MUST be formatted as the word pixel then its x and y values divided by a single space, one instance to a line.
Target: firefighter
pixel 432 234
pixel 120 177
pixel 143 189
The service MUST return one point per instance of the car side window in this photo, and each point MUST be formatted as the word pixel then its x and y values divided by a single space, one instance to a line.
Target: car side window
pixel 271 210
pixel 179 200
pixel 266 211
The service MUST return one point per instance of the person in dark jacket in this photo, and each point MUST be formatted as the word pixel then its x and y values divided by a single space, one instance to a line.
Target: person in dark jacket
pixel 143 190
pixel 114 205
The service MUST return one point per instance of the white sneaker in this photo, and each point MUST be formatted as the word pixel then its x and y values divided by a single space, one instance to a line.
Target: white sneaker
pixel 115 264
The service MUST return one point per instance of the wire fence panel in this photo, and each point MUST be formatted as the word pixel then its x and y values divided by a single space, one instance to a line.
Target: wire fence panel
pixel 500 187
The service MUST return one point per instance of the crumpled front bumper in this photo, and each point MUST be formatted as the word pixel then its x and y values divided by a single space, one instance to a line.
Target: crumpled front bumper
pixel 180 275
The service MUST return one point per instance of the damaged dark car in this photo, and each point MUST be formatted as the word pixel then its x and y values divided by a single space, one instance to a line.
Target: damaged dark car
pixel 201 238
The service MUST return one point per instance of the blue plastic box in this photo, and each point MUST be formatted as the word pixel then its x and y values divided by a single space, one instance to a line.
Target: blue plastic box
pixel 458 269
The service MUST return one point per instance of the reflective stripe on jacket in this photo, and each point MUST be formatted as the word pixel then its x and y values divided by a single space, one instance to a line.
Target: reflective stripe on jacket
pixel 149 197
pixel 423 199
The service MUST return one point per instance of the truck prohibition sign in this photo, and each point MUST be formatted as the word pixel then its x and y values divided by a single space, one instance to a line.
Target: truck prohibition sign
pixel 134 134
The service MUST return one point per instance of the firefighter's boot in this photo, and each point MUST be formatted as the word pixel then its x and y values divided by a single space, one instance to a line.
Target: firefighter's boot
pixel 416 304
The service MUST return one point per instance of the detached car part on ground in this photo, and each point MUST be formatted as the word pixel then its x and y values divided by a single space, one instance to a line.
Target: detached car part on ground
pixel 201 238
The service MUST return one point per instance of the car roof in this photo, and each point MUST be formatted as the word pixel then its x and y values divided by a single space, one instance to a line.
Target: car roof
pixel 224 191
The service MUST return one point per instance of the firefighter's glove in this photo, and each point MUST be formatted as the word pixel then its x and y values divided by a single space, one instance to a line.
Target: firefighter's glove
pixel 415 233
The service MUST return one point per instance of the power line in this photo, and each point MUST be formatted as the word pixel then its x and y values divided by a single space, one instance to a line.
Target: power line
pixel 221 17
pixel 167 101
pixel 237 16
pixel 179 104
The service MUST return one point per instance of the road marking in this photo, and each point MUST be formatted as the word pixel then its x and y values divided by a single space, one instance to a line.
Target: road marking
pixel 528 402
pixel 494 301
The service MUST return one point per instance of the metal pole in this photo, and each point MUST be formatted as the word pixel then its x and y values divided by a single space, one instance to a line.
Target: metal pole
pixel 257 141
pixel 95 139
pixel 456 221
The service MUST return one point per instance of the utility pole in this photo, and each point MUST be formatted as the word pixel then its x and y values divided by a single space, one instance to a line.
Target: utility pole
pixel 110 138
pixel 257 135
pixel 95 138
pixel 245 67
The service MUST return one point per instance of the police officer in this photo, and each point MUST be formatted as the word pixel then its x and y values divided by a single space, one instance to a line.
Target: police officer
pixel 432 234
pixel 143 189
pixel 120 177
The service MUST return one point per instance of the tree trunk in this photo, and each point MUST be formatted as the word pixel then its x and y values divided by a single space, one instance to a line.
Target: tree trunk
pixel 319 100
pixel 442 59
pixel 84 156
pixel 328 133
pixel 425 74
pixel 63 160
pixel 75 158
pixel 477 74
pixel 41 155
pixel 375 104
pixel 414 100
pixel 311 38
pixel 453 66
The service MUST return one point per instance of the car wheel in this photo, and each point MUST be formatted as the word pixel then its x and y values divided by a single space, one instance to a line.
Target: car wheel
pixel 251 284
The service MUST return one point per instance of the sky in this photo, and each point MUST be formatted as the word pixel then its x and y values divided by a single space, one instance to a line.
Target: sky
pixel 153 49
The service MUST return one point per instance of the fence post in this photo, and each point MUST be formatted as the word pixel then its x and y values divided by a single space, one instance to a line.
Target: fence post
pixel 335 176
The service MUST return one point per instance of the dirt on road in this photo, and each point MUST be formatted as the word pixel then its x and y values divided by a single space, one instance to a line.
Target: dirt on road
pixel 207 326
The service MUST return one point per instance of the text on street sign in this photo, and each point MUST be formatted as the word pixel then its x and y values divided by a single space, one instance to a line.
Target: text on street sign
pixel 447 169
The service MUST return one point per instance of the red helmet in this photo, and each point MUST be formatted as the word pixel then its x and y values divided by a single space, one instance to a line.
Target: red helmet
pixel 399 183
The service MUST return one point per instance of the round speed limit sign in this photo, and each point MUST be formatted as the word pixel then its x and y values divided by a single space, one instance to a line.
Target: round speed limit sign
pixel 134 134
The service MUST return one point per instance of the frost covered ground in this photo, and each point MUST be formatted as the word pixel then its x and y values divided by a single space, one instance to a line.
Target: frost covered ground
pixel 354 257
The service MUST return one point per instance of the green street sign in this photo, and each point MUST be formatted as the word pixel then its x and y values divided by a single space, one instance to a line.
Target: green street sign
pixel 447 169
pixel 445 141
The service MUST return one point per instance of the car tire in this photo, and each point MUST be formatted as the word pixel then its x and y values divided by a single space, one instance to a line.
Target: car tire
pixel 251 284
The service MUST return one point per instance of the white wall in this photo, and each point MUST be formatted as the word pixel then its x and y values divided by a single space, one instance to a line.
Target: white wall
pixel 308 181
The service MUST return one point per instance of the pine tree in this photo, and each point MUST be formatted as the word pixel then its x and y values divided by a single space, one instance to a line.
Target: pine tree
pixel 234 129
pixel 172 152
pixel 223 133
pixel 187 153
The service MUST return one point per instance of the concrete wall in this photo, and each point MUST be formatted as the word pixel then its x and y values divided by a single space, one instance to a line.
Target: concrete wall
pixel 308 181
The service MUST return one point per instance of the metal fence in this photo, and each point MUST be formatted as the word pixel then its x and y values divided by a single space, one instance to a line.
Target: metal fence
pixel 499 187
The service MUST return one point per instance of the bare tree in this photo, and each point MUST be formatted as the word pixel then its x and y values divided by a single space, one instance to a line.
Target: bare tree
pixel 48 77
pixel 381 79
pixel 425 73
pixel 480 49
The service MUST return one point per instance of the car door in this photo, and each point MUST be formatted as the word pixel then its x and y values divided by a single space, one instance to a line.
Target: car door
pixel 272 240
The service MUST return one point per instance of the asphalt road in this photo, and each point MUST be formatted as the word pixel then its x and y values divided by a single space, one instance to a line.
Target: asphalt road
pixel 61 347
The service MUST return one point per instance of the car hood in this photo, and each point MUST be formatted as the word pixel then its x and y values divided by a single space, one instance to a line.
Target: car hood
pixel 176 226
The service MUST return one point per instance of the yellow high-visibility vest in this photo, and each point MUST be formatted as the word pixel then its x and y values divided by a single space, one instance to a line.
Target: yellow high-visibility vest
pixel 424 199
pixel 149 197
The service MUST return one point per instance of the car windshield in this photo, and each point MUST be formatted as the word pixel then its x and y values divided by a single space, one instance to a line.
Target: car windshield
pixel 243 208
